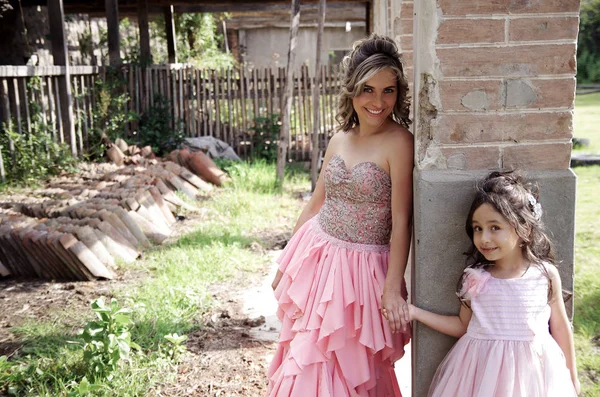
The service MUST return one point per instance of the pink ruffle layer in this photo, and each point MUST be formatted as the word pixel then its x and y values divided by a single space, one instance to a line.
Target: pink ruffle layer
pixel 334 341
pixel 501 368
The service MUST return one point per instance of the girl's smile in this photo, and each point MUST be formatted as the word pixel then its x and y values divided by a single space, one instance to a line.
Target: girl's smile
pixel 495 238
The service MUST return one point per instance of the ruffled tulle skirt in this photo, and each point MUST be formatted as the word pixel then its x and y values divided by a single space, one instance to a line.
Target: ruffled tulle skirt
pixel 333 341
pixel 501 368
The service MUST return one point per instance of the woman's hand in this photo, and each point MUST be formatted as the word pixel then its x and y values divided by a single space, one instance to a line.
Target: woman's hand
pixel 276 280
pixel 577 385
pixel 395 309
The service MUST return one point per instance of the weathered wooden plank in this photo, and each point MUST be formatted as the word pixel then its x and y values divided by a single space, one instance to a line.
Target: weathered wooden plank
pixel 316 130
pixel 54 121
pixel 243 85
pixel 26 104
pixel 256 111
pixel 210 103
pixel 56 70
pixel 180 76
pixel 170 30
pixel 17 103
pixel 79 112
pixel 5 99
pixel 145 53
pixel 217 95
pixel 228 93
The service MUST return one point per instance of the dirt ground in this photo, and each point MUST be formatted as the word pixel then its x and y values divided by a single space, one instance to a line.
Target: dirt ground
pixel 224 359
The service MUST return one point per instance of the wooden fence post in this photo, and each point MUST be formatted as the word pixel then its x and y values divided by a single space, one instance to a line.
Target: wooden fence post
pixel 60 54
pixel 288 92
pixel 314 156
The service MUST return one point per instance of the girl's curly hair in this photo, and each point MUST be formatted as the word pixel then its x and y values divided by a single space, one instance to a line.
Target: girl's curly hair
pixel 518 202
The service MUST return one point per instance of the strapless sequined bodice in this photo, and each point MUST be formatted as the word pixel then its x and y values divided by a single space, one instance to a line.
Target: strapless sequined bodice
pixel 357 205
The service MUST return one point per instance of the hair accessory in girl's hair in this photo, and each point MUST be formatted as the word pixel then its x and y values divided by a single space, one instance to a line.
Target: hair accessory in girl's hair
pixel 536 208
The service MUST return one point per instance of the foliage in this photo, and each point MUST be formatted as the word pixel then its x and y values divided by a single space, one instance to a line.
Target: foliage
pixel 110 115
pixel 156 130
pixel 170 302
pixel 174 346
pixel 198 41
pixel 588 47
pixel 130 41
pixel 108 340
pixel 36 153
pixel 265 135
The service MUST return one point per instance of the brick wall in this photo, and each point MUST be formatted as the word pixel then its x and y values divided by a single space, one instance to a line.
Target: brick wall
pixel 496 82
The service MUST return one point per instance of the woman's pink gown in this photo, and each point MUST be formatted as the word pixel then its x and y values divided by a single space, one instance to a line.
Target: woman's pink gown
pixel 508 350
pixel 334 341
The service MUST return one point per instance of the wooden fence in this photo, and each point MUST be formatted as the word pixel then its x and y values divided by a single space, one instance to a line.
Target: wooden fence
pixel 221 103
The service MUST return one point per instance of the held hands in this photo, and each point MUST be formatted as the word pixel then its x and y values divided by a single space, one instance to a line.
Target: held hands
pixel 395 309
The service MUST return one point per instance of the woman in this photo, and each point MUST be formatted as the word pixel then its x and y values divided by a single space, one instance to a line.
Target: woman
pixel 340 284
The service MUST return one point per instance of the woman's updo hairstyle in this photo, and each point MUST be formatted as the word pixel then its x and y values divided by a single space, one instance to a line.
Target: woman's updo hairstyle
pixel 367 58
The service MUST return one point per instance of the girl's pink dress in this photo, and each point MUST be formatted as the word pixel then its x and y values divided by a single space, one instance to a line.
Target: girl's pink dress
pixel 508 350
pixel 334 341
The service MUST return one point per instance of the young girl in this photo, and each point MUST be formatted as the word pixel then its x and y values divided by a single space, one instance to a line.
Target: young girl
pixel 515 337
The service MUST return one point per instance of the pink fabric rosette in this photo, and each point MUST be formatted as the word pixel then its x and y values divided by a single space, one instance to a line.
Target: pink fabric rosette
pixel 473 283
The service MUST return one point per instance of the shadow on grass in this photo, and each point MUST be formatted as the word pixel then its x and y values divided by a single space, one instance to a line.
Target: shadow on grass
pixel 587 311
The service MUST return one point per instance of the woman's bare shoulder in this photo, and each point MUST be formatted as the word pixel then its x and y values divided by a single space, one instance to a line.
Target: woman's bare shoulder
pixel 399 139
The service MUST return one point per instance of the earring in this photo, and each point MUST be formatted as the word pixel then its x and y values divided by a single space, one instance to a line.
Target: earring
pixel 521 245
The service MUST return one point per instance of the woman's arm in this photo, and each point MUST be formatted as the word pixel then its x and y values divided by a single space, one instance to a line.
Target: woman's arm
pixel 560 327
pixel 450 325
pixel 316 201
pixel 400 157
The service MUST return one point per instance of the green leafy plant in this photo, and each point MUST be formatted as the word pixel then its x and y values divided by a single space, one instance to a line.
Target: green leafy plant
pixel 588 44
pixel 156 130
pixel 110 115
pixel 174 347
pixel 83 388
pixel 107 341
pixel 265 135
pixel 34 153
pixel 199 43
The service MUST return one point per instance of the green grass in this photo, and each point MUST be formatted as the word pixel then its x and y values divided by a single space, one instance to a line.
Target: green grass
pixel 173 297
pixel 587 121
pixel 587 279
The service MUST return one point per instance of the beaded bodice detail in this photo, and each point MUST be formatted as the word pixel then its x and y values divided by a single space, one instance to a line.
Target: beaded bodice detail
pixel 357 205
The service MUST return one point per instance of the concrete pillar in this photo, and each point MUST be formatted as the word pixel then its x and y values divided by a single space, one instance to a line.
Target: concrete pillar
pixel 493 89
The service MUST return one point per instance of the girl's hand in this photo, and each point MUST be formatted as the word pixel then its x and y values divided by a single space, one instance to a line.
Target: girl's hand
pixel 276 280
pixel 412 312
pixel 395 309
